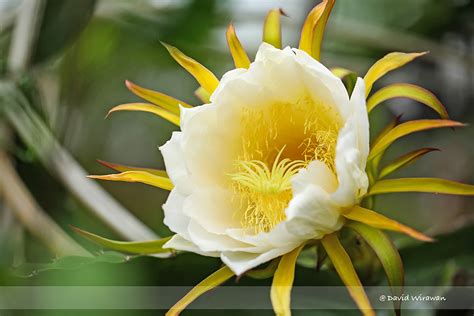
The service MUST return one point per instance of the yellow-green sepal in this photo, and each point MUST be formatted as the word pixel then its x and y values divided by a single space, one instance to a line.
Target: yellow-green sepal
pixel 212 281
pixel 406 90
pixel 427 185
pixel 387 254
pixel 133 247
pixel 404 161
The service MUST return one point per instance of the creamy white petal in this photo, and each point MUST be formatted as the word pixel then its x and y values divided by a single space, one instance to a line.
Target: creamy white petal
pixel 179 243
pixel 209 242
pixel 214 209
pixel 323 84
pixel 240 262
pixel 316 173
pixel 175 163
pixel 175 218
pixel 358 103
pixel 352 150
pixel 312 214
pixel 202 142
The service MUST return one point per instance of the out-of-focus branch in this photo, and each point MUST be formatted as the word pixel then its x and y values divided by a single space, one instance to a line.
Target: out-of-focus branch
pixel 29 214
pixel 38 137
pixel 383 38
pixel 11 237
pixel 24 35
pixel 59 162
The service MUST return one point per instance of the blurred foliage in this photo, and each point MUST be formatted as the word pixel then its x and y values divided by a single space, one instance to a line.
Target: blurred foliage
pixel 62 22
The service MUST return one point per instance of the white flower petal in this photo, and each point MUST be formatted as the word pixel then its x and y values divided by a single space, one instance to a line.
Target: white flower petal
pixel 209 242
pixel 240 262
pixel 214 209
pixel 352 150
pixel 175 218
pixel 322 84
pixel 312 214
pixel 202 143
pixel 358 103
pixel 179 243
pixel 175 164
pixel 316 173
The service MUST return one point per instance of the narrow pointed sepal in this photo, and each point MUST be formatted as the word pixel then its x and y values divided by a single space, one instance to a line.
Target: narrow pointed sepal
pixel 283 282
pixel 404 161
pixel 135 247
pixel 272 28
pixel 426 185
pixel 146 107
pixel 203 76
pixel 212 281
pixel 387 254
pixel 165 101
pixel 386 64
pixel 374 219
pixel 410 91
pixel 312 32
pixel 202 95
pixel 241 60
pixel 343 265
pixel 406 129
pixel 373 164
pixel 123 168
pixel 138 176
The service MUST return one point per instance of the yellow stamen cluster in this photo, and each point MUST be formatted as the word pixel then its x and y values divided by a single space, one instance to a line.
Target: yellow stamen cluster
pixel 277 141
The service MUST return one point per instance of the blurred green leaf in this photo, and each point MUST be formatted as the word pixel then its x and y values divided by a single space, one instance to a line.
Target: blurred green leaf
pixel 308 257
pixel 62 22
pixel 28 270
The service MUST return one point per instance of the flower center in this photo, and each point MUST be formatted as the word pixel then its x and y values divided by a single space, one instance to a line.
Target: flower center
pixel 276 142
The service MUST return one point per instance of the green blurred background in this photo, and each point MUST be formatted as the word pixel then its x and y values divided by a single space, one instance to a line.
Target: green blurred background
pixel 79 56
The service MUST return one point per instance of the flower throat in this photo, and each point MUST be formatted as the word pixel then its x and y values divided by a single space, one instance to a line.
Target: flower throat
pixel 276 142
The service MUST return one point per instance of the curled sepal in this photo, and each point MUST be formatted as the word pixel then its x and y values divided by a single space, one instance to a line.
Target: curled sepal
pixel 136 247
pixel 374 219
pixel 146 107
pixel 427 185
pixel 264 273
pixel 165 101
pixel 241 60
pixel 138 176
pixel 406 129
pixel 202 95
pixel 272 28
pixel 123 168
pixel 212 281
pixel 312 32
pixel 404 161
pixel 387 254
pixel 406 90
pixel 283 282
pixel 343 265
pixel 386 64
pixel 204 76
